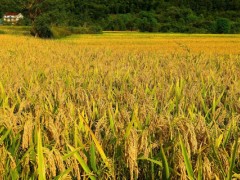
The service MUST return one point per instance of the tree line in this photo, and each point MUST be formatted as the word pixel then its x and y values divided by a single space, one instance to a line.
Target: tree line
pixel 185 16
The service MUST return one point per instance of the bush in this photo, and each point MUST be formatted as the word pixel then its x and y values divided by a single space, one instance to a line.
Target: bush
pixel 165 27
pixel 147 22
pixel 192 18
pixel 223 26
pixel 116 23
pixel 235 28
pixel 95 29
pixel 121 22
pixel 24 22
pixel 171 27
pixel 78 30
pixel 60 32
pixel 209 26
pixel 41 28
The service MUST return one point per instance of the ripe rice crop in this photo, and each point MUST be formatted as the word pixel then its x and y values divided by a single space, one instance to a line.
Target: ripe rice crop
pixel 120 106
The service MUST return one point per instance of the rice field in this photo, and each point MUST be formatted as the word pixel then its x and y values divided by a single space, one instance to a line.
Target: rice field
pixel 120 106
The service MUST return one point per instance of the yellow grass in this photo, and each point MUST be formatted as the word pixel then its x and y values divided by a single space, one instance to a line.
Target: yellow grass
pixel 114 106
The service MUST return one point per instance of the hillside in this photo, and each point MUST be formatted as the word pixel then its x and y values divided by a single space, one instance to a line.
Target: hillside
pixel 184 16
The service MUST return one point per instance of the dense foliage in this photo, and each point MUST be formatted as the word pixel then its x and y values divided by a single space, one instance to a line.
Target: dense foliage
pixel 190 16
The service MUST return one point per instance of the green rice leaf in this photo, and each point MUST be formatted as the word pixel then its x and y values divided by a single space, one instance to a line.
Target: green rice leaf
pixel 166 172
pixel 232 161
pixel 152 160
pixel 64 174
pixel 41 163
pixel 82 163
pixel 93 157
pixel 187 161
pixel 4 136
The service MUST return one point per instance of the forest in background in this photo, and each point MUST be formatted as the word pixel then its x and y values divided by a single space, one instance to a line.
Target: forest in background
pixel 183 16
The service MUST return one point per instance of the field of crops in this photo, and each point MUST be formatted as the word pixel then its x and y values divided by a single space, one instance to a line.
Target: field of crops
pixel 120 106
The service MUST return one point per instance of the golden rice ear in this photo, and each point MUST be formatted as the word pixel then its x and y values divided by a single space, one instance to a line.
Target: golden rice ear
pixel 4 158
pixel 52 130
pixel 131 153
pixel 58 157
pixel 207 168
pixel 27 134
pixel 51 169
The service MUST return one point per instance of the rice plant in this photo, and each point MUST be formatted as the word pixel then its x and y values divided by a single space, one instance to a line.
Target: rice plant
pixel 120 106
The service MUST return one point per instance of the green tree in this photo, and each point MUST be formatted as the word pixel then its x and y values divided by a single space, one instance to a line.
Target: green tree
pixel 116 23
pixel 41 27
pixel 147 22
pixel 223 26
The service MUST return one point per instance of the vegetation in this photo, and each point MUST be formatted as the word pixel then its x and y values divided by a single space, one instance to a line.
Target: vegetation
pixel 20 30
pixel 120 106
pixel 223 26
pixel 185 16
pixel 41 28
pixel 55 32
